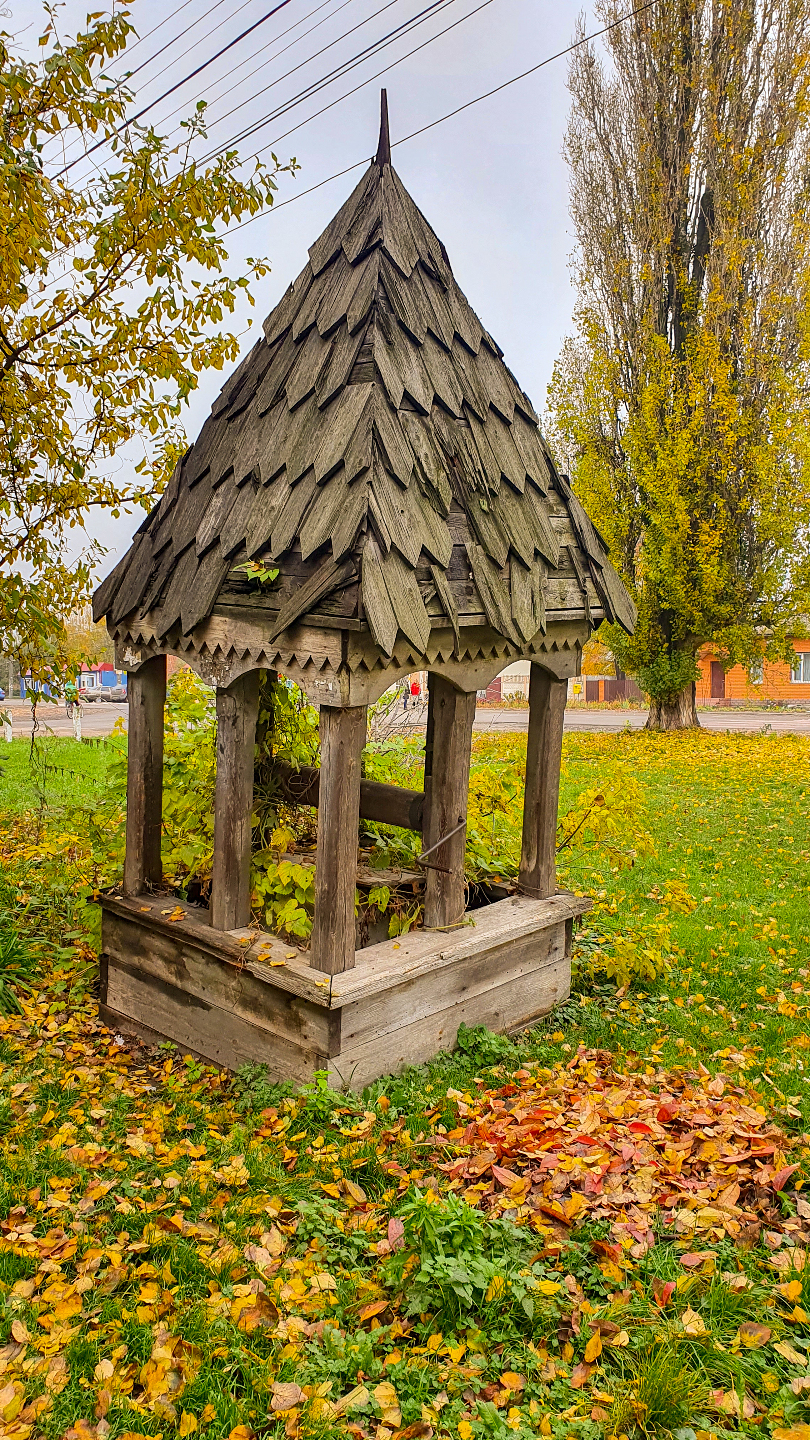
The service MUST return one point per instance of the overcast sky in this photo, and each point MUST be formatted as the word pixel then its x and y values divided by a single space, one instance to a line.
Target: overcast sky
pixel 491 181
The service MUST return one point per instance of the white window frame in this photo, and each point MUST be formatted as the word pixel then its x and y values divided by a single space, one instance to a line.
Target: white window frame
pixel 800 668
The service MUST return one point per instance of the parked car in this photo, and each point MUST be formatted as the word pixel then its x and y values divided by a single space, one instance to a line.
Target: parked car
pixel 110 693
pixel 2 693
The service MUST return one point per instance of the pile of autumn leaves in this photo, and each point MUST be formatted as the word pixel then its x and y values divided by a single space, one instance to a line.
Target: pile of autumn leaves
pixel 170 1265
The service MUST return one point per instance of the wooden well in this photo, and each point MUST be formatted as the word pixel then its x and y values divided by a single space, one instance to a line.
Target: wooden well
pixel 374 448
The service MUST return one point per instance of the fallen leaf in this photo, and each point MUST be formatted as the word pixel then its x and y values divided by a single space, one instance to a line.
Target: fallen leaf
pixel 754 1336
pixel 692 1323
pixel 786 1350
pixel 286 1395
pixel 356 1398
pixel 593 1349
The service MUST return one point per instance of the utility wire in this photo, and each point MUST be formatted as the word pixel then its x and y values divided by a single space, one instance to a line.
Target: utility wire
pixel 183 53
pixel 204 66
pixel 341 69
pixel 247 58
pixel 159 26
pixel 175 38
pixel 434 8
pixel 347 170
pixel 270 58
pixel 487 95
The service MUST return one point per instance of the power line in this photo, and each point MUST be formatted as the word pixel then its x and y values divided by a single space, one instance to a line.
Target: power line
pixel 270 58
pixel 183 53
pixel 505 84
pixel 575 45
pixel 341 69
pixel 434 8
pixel 204 66
pixel 159 26
pixel 186 31
pixel 247 58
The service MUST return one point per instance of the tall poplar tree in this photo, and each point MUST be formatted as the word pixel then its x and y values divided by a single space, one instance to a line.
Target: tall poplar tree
pixel 682 402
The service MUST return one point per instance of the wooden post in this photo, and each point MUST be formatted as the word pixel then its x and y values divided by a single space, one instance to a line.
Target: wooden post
pixel 146 690
pixel 451 713
pixel 538 870
pixel 237 708
pixel 343 735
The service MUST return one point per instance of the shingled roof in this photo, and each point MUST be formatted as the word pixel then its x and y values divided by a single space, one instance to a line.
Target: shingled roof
pixel 375 445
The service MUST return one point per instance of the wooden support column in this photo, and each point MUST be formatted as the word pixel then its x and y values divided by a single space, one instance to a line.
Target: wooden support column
pixel 343 735
pixel 237 708
pixel 538 868
pixel 146 689
pixel 451 713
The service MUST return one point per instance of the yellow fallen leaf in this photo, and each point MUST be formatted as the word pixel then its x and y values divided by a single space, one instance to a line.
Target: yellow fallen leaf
pixel 465 1430
pixel 512 1381
pixel 593 1349
pixel 209 1414
pixel 241 1432
pixel 791 1291
pixel 188 1423
pixel 323 1282
pixel 435 1341
pixel 794 1432
pixel 386 1397
pixel 786 1350
pixel 354 1191
pixel 11 1399
pixel 548 1287
pixel 692 1323
pixel 754 1336
pixel 355 1398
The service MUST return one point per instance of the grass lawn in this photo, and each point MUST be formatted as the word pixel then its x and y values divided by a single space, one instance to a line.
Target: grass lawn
pixel 593 1231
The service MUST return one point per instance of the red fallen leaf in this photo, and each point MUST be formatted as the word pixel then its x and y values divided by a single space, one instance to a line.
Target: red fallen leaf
pixel 666 1114
pixel 580 1375
pixel 505 1177
pixel 782 1176
pixel 607 1252
pixel 695 1258
pixel 396 1233
pixel 663 1290
pixel 638 1127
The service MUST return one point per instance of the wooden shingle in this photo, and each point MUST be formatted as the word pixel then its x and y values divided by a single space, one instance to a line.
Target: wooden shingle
pixel 375 432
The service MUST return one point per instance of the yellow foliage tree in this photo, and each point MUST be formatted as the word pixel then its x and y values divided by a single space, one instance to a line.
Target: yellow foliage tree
pixel 682 402
pixel 113 294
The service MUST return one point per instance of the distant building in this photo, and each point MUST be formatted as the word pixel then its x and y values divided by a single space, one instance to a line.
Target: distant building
pixel 773 680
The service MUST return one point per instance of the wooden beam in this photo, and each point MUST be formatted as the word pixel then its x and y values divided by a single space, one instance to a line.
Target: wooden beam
pixel 146 689
pixel 447 775
pixel 387 804
pixel 237 709
pixel 343 735
pixel 538 870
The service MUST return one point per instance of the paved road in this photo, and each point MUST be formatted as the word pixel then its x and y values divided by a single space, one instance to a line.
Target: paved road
pixel 797 723
pixel 99 719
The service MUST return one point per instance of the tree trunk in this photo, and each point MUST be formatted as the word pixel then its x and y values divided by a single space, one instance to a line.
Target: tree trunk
pixel 679 713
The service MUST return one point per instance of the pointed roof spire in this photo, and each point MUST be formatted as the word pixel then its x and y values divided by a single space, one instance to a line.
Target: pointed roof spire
pixel 383 156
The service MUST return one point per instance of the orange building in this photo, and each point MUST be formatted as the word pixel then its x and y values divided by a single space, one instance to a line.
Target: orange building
pixel 775 681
